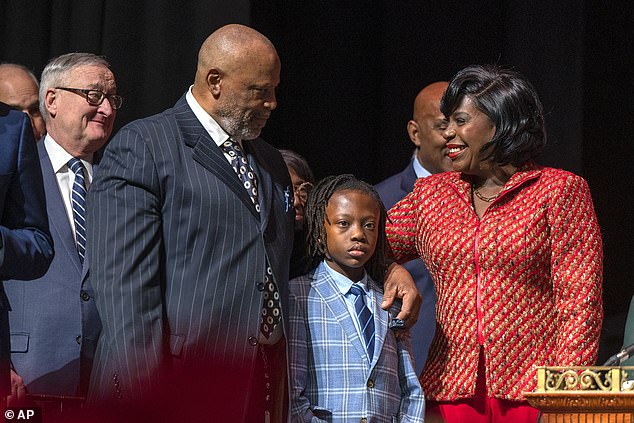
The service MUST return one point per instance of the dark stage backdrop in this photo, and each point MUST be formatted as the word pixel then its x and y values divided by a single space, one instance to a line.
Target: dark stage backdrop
pixel 351 69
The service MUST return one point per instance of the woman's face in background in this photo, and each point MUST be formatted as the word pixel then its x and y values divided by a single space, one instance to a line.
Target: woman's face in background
pixel 301 188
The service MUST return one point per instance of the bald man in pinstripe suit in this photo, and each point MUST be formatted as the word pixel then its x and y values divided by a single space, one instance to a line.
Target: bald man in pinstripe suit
pixel 179 249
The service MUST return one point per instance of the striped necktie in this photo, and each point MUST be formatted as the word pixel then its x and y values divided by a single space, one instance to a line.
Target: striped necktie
pixel 365 318
pixel 78 200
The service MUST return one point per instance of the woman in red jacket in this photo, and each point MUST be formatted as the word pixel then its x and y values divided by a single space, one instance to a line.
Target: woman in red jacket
pixel 514 250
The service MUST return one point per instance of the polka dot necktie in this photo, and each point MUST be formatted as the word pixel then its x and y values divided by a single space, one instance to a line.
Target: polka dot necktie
pixel 78 202
pixel 243 169
pixel 365 318
pixel 271 309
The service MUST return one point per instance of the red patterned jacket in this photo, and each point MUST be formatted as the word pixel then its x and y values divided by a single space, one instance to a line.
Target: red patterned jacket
pixel 524 281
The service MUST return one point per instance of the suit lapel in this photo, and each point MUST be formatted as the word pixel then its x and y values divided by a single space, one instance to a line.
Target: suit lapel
pixel 380 322
pixel 58 219
pixel 207 153
pixel 85 265
pixel 325 286
pixel 408 178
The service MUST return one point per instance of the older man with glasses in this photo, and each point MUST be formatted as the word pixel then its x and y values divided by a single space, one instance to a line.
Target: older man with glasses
pixel 54 322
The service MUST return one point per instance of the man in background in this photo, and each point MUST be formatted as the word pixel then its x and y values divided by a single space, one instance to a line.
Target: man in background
pixel 19 89
pixel 26 248
pixel 54 321
pixel 425 131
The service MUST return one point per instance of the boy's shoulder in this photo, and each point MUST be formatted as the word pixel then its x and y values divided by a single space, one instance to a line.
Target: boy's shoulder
pixel 300 285
pixel 378 293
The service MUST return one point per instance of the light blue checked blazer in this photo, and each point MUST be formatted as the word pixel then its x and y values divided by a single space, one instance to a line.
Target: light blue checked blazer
pixel 330 375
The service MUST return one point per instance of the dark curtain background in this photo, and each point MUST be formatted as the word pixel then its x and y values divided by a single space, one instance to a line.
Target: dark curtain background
pixel 350 71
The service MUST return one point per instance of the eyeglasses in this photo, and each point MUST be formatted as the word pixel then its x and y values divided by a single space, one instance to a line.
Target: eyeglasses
pixel 95 97
pixel 302 190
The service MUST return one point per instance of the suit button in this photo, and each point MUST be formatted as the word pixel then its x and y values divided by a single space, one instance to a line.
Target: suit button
pixel 78 339
pixel 253 341
pixel 84 296
pixel 370 383
pixel 260 286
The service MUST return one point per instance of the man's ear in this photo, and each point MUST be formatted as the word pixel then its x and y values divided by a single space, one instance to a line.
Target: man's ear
pixel 50 102
pixel 214 80
pixel 413 130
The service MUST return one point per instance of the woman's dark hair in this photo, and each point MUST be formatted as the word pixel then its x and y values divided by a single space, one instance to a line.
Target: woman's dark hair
pixel 298 164
pixel 512 104
pixel 315 217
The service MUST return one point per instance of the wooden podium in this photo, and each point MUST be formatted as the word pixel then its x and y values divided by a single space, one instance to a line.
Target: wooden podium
pixel 584 394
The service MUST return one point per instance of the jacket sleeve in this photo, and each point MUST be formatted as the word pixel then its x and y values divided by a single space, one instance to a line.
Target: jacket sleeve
pixel 576 272
pixel 412 408
pixel 401 228
pixel 125 243
pixel 26 247
pixel 298 358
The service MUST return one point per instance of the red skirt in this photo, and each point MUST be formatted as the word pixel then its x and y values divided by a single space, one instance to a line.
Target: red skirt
pixel 481 408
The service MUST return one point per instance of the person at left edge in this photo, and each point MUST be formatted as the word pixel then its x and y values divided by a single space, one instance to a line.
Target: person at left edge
pixel 54 321
pixel 19 89
pixel 179 248
pixel 26 247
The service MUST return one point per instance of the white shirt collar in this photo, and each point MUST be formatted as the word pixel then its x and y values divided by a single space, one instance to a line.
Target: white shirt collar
pixel 60 157
pixel 211 126
pixel 342 282
pixel 420 171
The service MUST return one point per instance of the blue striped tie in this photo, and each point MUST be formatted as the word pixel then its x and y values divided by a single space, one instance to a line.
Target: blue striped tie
pixel 365 318
pixel 78 200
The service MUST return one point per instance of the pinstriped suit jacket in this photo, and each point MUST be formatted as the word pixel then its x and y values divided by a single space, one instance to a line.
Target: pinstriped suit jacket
pixel 178 252
pixel 331 377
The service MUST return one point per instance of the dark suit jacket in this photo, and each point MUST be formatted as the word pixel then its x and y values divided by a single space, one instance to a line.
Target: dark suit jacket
pixel 178 256
pixel 54 320
pixel 26 247
pixel 392 190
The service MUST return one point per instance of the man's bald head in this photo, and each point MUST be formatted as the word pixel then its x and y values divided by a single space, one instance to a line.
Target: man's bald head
pixel 426 127
pixel 427 101
pixel 237 73
pixel 231 45
pixel 19 89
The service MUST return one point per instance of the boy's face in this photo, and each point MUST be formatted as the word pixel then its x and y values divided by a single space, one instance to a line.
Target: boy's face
pixel 352 229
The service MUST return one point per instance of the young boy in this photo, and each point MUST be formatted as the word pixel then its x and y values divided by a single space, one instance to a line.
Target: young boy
pixel 345 362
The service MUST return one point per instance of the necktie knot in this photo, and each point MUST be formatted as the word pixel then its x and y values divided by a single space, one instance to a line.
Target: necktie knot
pixel 356 290
pixel 232 148
pixel 75 165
